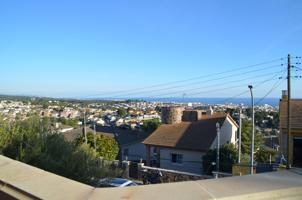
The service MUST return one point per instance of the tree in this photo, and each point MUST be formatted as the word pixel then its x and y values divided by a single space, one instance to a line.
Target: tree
pixel 29 141
pixel 121 112
pixel 106 146
pixel 227 157
pixel 231 111
pixel 263 155
pixel 69 122
pixel 150 125
pixel 246 136
pixel 24 139
pixel 158 109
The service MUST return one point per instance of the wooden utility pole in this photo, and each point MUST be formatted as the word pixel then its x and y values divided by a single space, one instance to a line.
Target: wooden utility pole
pixel 288 111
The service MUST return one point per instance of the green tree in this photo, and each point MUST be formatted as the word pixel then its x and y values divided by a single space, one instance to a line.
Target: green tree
pixel 106 146
pixel 28 141
pixel 231 111
pixel 150 125
pixel 246 136
pixel 227 157
pixel 23 139
pixel 79 163
pixel 263 155
pixel 69 122
pixel 121 112
pixel 158 109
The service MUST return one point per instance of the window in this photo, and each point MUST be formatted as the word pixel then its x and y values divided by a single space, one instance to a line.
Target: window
pixel 176 158
pixel 126 152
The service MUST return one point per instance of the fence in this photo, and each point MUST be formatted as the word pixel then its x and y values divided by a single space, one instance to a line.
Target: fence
pixel 138 171
pixel 167 175
pixel 244 169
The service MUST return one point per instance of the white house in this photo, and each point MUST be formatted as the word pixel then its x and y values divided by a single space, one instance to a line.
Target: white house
pixel 181 146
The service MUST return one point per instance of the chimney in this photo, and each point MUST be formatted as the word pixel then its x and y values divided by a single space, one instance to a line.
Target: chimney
pixel 284 95
pixel 190 115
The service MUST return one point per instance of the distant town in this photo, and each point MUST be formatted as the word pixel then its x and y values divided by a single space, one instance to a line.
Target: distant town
pixel 127 114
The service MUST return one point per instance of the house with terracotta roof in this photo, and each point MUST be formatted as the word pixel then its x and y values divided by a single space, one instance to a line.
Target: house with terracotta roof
pixel 181 144
pixel 295 136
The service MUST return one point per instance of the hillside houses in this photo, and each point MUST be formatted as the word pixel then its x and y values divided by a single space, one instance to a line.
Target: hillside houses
pixel 181 143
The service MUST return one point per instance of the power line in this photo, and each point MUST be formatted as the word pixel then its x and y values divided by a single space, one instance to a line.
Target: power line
pixel 219 84
pixel 241 85
pixel 186 80
pixel 275 86
pixel 246 91
pixel 199 82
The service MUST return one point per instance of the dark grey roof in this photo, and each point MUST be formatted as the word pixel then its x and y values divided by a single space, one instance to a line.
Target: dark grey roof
pixel 124 136
pixel 127 136
pixel 73 134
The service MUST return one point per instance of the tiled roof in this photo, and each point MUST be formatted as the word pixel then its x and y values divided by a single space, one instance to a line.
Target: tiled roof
pixel 198 135
pixel 296 113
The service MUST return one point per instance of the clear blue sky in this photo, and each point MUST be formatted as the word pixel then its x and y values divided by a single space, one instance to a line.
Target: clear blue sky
pixel 78 48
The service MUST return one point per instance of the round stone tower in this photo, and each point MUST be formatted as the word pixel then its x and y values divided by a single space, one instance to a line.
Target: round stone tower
pixel 172 114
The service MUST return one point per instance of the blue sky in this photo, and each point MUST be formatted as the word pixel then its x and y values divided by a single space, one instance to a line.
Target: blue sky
pixel 82 48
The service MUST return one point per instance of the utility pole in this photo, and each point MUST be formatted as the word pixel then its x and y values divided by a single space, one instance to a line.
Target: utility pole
pixel 239 137
pixel 218 145
pixel 85 134
pixel 288 111
pixel 253 130
pixel 94 136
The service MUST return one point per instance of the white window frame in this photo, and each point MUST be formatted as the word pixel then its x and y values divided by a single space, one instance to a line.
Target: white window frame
pixel 179 158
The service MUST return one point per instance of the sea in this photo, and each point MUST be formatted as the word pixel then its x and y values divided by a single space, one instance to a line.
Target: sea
pixel 211 101
pixel 242 101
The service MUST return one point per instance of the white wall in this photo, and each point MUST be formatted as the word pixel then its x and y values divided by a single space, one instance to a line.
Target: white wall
pixel 192 160
pixel 227 134
pixel 135 151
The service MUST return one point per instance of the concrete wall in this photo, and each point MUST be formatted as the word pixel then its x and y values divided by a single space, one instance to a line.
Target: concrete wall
pixel 22 181
pixel 192 160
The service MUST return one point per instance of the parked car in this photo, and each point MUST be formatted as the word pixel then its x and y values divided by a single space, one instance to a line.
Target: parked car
pixel 115 182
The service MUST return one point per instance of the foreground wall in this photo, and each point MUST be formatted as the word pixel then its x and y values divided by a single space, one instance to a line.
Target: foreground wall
pixel 21 181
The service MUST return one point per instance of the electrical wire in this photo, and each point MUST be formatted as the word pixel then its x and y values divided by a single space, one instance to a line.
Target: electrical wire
pixel 256 86
pixel 275 86
pixel 194 83
pixel 185 80
pixel 219 84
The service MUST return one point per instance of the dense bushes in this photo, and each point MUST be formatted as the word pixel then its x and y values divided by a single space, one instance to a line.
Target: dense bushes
pixel 228 156
pixel 27 141
pixel 106 146
pixel 150 125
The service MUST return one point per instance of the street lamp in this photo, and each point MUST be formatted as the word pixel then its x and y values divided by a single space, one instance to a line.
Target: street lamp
pixel 94 136
pixel 253 130
pixel 239 136
pixel 218 145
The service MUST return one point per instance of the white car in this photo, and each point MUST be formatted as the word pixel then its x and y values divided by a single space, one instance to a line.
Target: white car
pixel 115 182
